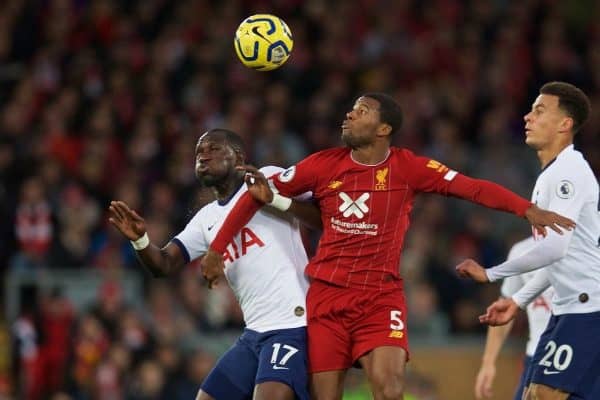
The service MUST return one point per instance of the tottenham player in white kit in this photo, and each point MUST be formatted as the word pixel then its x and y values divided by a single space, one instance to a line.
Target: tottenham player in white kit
pixel 538 314
pixel 566 364
pixel 264 267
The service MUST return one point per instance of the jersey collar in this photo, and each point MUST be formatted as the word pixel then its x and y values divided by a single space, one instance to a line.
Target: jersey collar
pixel 372 165
pixel 561 154
pixel 231 196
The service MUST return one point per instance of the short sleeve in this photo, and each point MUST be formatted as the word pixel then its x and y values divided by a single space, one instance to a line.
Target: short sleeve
pixel 298 179
pixel 191 239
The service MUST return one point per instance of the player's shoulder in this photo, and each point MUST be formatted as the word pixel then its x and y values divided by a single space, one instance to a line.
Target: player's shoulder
pixel 571 168
pixel 570 161
pixel 401 152
pixel 202 213
pixel 270 170
pixel 328 155
pixel 403 155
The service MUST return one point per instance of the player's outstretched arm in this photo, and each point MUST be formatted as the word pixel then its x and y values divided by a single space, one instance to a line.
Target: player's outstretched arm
pixel 492 195
pixel 159 262
pixel 259 188
pixel 496 336
pixel 472 269
pixel 501 312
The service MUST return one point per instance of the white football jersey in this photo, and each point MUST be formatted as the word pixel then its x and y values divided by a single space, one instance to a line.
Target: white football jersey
pixel 538 311
pixel 264 265
pixel 568 186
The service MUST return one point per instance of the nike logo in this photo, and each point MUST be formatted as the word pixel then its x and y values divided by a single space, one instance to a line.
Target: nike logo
pixel 546 372
pixel 257 33
pixel 212 226
pixel 278 367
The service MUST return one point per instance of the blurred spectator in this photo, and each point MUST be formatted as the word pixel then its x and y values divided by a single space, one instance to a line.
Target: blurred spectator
pixel 28 361
pixel 57 317
pixel 426 320
pixel 148 383
pixel 33 226
pixel 106 99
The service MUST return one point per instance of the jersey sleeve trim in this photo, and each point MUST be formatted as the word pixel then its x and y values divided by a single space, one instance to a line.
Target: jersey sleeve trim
pixel 184 251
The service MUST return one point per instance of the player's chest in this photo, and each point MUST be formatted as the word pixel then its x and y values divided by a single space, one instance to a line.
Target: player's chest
pixel 544 192
pixel 360 194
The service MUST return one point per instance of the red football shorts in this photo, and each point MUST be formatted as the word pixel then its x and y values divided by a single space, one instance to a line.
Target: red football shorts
pixel 345 323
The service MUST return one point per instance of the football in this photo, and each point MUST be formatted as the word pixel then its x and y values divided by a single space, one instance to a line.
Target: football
pixel 263 42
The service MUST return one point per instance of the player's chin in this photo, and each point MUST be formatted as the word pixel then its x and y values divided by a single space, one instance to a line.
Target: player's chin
pixel 206 179
pixel 530 141
pixel 349 140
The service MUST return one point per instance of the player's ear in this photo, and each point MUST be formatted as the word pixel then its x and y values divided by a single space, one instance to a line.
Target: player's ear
pixel 240 156
pixel 566 124
pixel 384 130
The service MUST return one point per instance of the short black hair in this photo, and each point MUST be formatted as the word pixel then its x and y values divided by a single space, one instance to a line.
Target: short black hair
pixel 571 100
pixel 233 139
pixel 389 110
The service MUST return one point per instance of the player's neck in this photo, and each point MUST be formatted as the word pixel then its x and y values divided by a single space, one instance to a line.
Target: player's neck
pixel 550 152
pixel 371 155
pixel 228 188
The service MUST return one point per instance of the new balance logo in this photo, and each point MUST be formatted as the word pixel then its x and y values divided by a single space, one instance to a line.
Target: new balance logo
pixel 356 207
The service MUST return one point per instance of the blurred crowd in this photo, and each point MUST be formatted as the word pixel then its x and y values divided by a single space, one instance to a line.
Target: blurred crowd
pixel 105 99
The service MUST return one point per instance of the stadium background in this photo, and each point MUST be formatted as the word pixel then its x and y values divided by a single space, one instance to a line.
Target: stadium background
pixel 105 99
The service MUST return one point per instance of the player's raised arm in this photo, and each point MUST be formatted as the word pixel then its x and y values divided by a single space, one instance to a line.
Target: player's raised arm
pixel 492 195
pixel 158 261
pixel 259 188
pixel 432 176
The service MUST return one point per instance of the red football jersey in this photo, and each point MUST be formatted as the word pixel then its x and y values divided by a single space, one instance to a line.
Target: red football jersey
pixel 365 209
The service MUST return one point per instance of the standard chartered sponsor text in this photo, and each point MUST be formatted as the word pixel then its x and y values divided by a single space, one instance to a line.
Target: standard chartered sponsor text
pixel 355 228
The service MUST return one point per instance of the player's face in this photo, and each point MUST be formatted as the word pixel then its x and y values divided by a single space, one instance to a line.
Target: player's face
pixel 544 122
pixel 215 160
pixel 361 124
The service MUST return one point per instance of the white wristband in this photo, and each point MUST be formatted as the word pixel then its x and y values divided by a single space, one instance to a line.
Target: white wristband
pixel 141 243
pixel 280 202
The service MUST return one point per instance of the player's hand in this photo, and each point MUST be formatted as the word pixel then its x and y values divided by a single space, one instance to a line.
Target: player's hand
pixel 212 267
pixel 540 219
pixel 127 221
pixel 471 269
pixel 484 381
pixel 257 184
pixel 501 312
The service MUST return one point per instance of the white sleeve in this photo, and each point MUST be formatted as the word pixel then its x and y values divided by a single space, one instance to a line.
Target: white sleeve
pixel 511 285
pixel 545 252
pixel 567 197
pixel 191 240
pixel 532 289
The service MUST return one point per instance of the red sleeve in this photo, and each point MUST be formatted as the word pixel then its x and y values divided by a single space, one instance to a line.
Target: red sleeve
pixel 298 179
pixel 488 194
pixel 240 214
pixel 427 175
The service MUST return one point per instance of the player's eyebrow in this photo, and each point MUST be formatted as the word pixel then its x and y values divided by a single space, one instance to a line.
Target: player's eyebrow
pixel 362 105
pixel 538 106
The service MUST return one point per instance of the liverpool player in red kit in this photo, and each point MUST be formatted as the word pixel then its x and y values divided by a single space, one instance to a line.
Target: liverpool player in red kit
pixel 355 305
